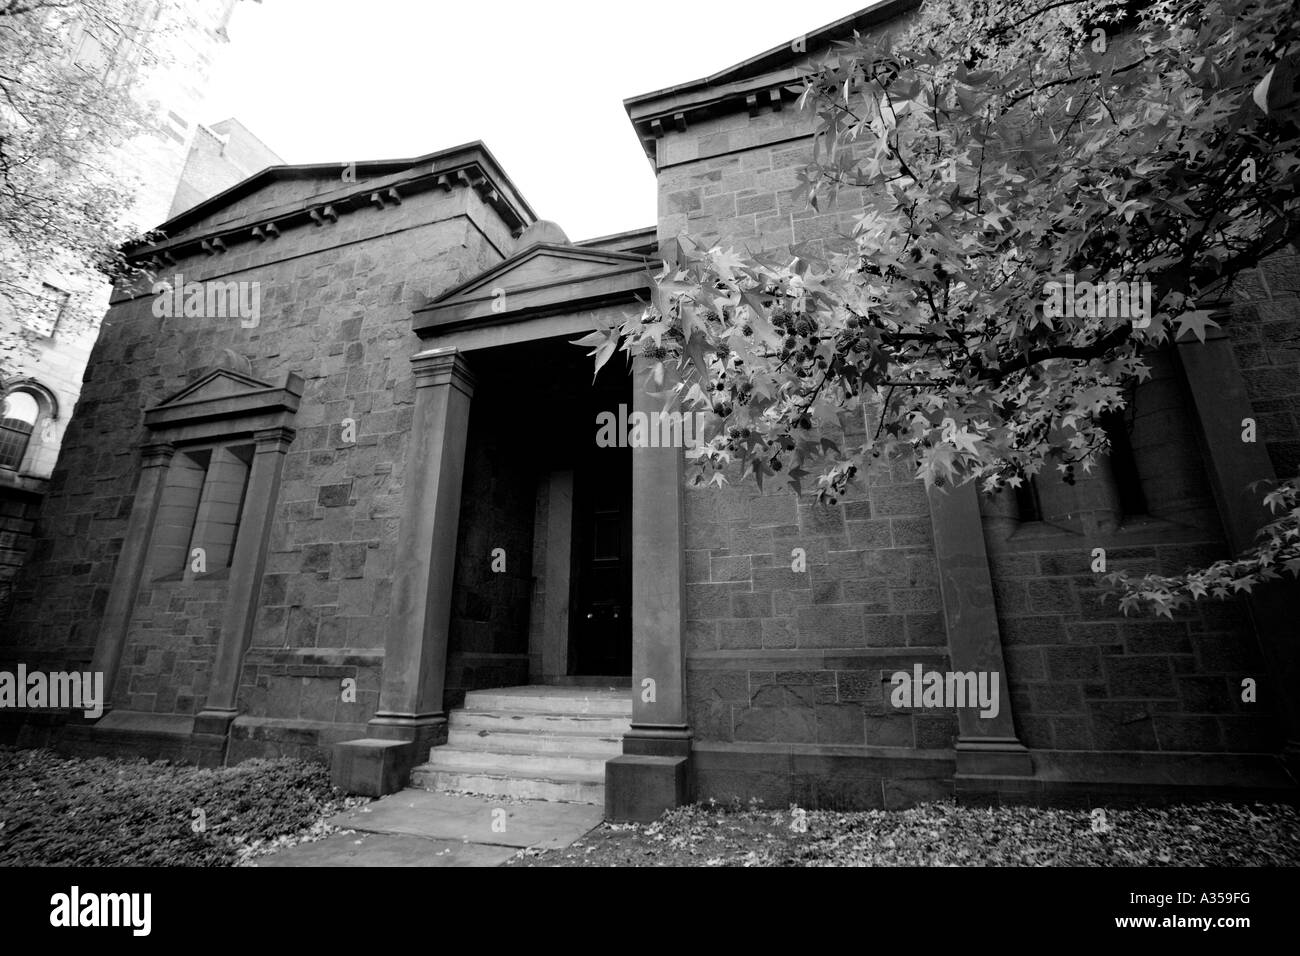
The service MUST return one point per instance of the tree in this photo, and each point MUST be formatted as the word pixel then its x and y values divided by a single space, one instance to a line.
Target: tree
pixel 1040 193
pixel 63 122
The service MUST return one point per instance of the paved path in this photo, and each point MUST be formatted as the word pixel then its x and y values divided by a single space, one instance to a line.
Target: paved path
pixel 422 828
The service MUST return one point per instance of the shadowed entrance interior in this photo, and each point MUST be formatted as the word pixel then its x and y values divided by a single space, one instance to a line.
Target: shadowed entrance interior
pixel 543 557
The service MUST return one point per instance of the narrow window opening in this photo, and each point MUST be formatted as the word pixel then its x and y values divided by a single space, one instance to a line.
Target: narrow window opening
pixel 1123 463
pixel 1027 503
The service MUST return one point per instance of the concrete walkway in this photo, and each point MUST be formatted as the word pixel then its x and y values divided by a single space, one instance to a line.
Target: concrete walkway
pixel 423 828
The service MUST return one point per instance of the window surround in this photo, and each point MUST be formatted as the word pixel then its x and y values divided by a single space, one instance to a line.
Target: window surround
pixel 53 300
pixel 40 436
pixel 225 407
pixel 209 510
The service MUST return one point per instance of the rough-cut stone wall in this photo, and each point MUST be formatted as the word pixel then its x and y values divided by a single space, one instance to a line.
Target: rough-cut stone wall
pixel 1265 334
pixel 869 592
pixel 778 660
pixel 733 178
pixel 1084 677
pixel 782 660
pixel 17 520
pixel 336 302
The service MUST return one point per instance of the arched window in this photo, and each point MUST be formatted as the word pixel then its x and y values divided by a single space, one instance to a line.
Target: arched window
pixel 17 421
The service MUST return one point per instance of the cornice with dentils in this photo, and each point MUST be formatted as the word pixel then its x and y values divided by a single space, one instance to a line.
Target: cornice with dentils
pixel 380 184
pixel 768 80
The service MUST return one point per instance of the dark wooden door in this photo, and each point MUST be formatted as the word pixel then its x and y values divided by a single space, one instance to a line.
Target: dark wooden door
pixel 601 622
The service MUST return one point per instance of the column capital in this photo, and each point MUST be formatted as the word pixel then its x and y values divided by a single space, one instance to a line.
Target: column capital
pixel 156 453
pixel 443 367
pixel 274 439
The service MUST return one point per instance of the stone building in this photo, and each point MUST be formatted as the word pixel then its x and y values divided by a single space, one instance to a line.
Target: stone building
pixel 367 521
pixel 48 334
pixel 221 155
pixel 41 382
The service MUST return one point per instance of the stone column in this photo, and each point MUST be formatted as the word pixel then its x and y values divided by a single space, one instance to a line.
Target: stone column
pixel 559 553
pixel 131 560
pixel 653 772
pixel 986 746
pixel 245 582
pixel 1219 394
pixel 415 656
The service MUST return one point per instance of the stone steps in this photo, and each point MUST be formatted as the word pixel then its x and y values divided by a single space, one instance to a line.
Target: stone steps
pixel 578 701
pixel 539 743
pixel 562 762
pixel 569 790
pixel 499 722
pixel 509 740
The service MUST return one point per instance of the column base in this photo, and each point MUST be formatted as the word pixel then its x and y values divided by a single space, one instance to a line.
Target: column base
pixel 652 775
pixel 658 740
pixel 215 722
pixel 1290 757
pixel 639 787
pixel 370 766
pixel 993 757
pixel 381 763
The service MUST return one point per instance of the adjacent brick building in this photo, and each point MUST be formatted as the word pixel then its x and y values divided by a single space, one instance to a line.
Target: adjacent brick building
pixel 391 475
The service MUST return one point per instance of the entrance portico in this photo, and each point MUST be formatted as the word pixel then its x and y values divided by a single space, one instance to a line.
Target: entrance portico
pixel 539 299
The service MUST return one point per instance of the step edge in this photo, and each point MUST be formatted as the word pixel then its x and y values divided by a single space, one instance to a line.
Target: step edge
pixel 567 778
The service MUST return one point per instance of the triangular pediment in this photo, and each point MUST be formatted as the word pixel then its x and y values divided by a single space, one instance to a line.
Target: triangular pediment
pixel 544 279
pixel 287 197
pixel 230 395
pixel 219 383
pixel 542 265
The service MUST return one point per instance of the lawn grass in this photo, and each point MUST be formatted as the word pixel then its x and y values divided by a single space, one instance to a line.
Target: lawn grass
pixel 943 834
pixel 63 811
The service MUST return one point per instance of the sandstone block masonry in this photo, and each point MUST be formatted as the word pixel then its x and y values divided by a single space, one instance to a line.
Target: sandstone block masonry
pixel 336 300
pixel 785 670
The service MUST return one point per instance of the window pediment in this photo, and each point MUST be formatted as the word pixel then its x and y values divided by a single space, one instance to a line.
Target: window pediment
pixel 226 397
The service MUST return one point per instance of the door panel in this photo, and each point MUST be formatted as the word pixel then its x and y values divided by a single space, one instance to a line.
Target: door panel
pixel 601 623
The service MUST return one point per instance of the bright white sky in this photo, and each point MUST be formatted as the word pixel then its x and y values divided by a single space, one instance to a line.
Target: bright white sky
pixel 541 82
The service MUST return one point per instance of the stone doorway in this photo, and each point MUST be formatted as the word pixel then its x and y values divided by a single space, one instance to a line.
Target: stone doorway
pixel 543 578
pixel 480 378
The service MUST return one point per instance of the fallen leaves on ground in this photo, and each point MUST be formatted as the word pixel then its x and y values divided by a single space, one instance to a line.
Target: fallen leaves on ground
pixel 65 811
pixel 944 834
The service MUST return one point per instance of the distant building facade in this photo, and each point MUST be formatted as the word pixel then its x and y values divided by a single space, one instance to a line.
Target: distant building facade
pixel 181 164
pixel 321 529
pixel 221 155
